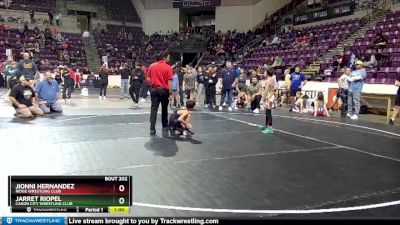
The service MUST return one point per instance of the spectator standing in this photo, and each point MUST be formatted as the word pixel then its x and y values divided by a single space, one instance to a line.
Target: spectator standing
pixel 189 83
pixel 136 83
pixel 48 94
pixel 86 37
pixel 32 16
pixel 125 74
pixel 57 76
pixel 72 75
pixel 175 89
pixel 58 19
pixel 181 74
pixel 200 84
pixel 146 85
pixel 297 81
pixel 160 75
pixel 103 75
pixel 242 79
pixel 355 82
pixel 396 102
pixel 51 18
pixel 343 91
pixel 27 67
pixel 67 82
pixel 286 94
pixel 23 99
pixel 229 79
pixel 210 82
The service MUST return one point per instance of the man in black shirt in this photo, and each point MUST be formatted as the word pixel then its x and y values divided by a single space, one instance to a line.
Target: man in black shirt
pixel 125 73
pixel 32 16
pixel 136 83
pixel 23 100
pixel 180 78
pixel 67 82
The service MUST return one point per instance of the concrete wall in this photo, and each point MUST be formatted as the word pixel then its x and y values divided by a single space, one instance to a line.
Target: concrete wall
pixel 239 2
pixel 265 7
pixel 160 20
pixel 157 15
pixel 244 17
pixel 157 4
pixel 233 17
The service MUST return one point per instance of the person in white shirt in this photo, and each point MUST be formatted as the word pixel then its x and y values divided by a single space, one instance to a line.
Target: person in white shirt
pixel 343 91
pixel 86 37
pixel 58 18
pixel 276 41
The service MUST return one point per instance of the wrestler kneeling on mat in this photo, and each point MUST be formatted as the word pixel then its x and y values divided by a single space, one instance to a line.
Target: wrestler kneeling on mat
pixel 179 120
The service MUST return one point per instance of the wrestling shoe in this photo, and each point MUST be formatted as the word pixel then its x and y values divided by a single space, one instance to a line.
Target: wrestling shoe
pixel 268 130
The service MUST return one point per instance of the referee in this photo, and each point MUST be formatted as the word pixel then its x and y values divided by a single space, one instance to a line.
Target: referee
pixel 160 75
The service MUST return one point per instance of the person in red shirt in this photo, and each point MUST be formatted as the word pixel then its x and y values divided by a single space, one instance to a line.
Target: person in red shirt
pixel 160 76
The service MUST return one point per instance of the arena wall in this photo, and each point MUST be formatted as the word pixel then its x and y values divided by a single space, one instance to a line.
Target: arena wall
pixel 245 17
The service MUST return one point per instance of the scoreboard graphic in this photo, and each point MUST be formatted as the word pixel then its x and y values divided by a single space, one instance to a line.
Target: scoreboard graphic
pixel 70 194
pixel 196 3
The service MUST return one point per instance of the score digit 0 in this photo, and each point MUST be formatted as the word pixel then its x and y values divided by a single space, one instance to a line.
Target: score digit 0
pixel 121 200
pixel 121 188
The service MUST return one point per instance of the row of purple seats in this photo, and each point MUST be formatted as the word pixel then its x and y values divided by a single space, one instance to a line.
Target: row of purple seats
pixel 312 55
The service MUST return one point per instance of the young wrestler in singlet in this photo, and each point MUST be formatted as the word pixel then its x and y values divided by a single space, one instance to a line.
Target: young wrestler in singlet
pixel 179 120
pixel 269 99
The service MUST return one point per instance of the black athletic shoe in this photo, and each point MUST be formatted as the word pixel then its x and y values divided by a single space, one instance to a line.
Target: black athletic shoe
pixel 391 122
pixel 290 110
pixel 172 131
pixel 152 131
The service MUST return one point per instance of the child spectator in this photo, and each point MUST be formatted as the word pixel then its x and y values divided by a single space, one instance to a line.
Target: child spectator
pixel 320 106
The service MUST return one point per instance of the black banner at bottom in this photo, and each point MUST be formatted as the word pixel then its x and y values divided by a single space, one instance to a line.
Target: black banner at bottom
pixel 206 221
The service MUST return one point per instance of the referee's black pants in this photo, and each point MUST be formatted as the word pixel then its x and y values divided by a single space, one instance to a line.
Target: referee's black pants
pixel 159 95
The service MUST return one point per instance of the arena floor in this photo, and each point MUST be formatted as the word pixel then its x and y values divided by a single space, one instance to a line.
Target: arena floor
pixel 308 168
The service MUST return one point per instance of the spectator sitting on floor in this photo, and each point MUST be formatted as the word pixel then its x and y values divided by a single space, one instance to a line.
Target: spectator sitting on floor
pixel 48 94
pixel 23 99
pixel 304 105
pixel 320 108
